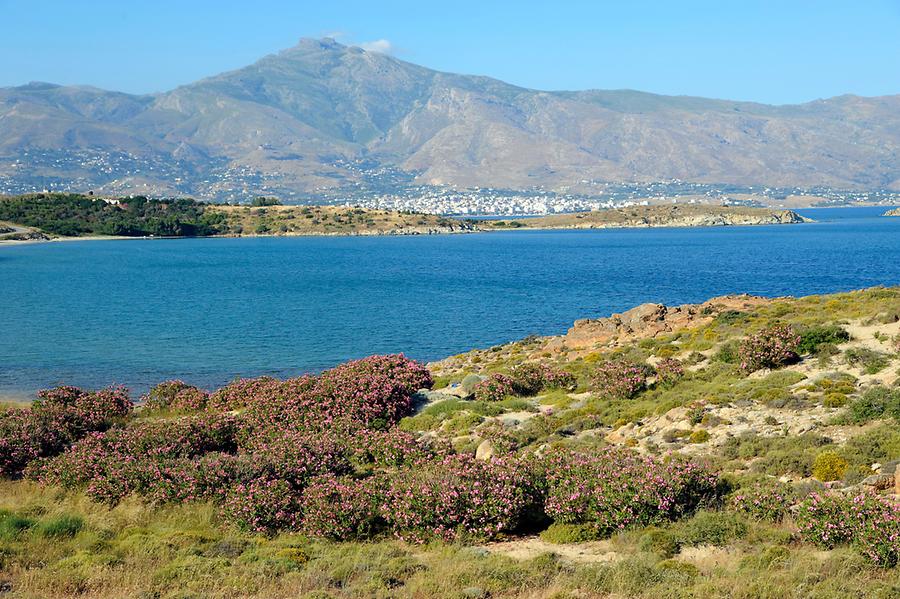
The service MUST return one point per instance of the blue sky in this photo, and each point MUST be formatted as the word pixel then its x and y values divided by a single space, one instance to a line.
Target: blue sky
pixel 775 52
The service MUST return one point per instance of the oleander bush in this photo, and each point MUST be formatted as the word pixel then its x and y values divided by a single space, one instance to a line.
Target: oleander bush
pixel 175 395
pixel 869 522
pixel 772 347
pixel 496 387
pixel 263 505
pixel 763 502
pixel 458 498
pixel 669 371
pixel 57 419
pixel 615 489
pixel 620 379
pixel 531 378
pixel 342 508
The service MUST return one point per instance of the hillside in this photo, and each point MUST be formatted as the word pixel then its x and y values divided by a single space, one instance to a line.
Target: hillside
pixel 323 115
pixel 742 447
pixel 38 216
pixel 333 220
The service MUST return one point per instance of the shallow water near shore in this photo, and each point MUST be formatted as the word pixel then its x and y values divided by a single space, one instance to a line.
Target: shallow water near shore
pixel 94 313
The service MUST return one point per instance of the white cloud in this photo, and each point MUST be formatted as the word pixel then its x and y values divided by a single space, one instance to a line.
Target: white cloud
pixel 381 46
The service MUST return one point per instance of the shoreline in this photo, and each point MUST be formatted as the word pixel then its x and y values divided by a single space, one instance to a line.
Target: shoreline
pixel 461 231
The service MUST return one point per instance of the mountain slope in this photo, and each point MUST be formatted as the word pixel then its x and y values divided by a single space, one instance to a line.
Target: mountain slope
pixel 324 115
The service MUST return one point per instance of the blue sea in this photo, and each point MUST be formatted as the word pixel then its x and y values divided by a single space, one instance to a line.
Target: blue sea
pixel 135 312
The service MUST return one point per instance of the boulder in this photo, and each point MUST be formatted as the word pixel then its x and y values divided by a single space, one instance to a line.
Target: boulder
pixel 484 451
pixel 878 482
pixel 467 386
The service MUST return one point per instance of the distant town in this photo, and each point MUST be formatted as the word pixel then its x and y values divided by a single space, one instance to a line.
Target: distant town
pixel 372 185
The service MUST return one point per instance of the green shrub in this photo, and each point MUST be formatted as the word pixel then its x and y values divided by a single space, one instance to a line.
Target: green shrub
pixel 834 400
pixel 829 466
pixel 869 360
pixel 568 533
pixel 812 338
pixel 711 528
pixel 729 353
pixel 881 445
pixel 876 402
pixel 699 436
pixel 659 541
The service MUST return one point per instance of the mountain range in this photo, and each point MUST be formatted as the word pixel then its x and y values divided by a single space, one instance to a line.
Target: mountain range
pixel 323 116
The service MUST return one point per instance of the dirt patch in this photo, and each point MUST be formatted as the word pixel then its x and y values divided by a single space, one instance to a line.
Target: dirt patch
pixel 593 552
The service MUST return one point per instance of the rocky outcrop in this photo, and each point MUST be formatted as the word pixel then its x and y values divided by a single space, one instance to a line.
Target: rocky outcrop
pixel 894 212
pixel 650 320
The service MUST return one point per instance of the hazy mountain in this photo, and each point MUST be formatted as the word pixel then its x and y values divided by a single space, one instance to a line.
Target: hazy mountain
pixel 323 114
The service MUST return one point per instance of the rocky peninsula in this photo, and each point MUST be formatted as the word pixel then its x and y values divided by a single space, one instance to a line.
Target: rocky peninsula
pixel 659 216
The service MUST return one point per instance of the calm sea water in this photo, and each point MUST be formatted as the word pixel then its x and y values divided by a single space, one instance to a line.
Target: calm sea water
pixel 206 310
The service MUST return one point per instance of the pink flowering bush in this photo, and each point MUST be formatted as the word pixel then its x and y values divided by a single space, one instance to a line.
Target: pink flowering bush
pixel 136 458
pixel 58 418
pixel 869 522
pixel 614 489
pixel 177 396
pixel 457 498
pixel 243 392
pixel 296 456
pixel 373 391
pixel 772 347
pixel 341 508
pixel 620 379
pixel 262 505
pixel 531 378
pixel 390 449
pixel 556 378
pixel 496 387
pixel 763 502
pixel 669 371
pixel 83 411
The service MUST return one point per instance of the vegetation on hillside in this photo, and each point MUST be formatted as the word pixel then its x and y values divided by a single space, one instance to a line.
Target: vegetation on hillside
pixel 752 454
pixel 74 215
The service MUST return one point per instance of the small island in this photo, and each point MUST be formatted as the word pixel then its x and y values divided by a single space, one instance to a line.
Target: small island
pixel 658 216
pixel 45 216
pixel 894 212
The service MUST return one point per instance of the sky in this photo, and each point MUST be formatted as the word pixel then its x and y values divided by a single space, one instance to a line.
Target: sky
pixel 777 52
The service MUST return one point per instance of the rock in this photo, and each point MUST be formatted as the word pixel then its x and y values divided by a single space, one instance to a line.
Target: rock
pixel 876 467
pixel 879 482
pixel 485 450
pixel 890 467
pixel 468 384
